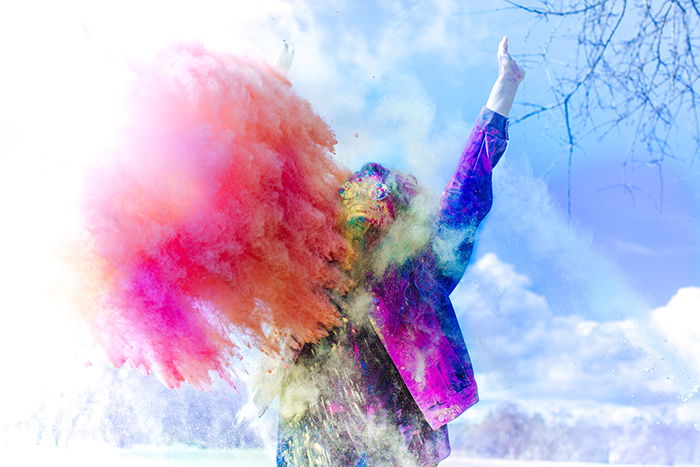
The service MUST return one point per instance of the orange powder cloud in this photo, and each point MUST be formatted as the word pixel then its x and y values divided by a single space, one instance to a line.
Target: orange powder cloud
pixel 215 223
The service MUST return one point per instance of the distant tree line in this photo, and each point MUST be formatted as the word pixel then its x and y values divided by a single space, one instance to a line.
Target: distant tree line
pixel 127 410
pixel 509 432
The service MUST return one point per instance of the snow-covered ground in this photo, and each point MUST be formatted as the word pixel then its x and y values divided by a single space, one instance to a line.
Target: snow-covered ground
pixel 190 457
pixel 455 461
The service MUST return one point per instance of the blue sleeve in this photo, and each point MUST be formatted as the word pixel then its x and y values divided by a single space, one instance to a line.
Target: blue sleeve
pixel 467 198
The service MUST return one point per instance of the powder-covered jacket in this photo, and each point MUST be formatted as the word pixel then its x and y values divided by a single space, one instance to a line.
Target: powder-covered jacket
pixel 412 312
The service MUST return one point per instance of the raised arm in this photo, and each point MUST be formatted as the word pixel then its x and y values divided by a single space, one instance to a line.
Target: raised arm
pixel 468 196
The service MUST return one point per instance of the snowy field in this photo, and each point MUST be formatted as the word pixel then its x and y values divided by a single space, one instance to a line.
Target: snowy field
pixel 186 457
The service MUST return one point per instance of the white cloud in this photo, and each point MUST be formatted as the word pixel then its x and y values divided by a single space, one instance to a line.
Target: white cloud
pixel 679 321
pixel 633 248
pixel 503 274
pixel 527 228
pixel 354 73
pixel 522 351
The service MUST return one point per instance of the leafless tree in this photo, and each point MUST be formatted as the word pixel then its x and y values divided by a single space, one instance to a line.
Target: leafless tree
pixel 626 62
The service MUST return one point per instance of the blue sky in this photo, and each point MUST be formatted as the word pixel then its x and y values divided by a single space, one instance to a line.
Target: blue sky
pixel 598 312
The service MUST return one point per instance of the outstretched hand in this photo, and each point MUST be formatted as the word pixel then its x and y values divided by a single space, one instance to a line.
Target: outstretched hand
pixel 510 75
pixel 508 68
pixel 284 61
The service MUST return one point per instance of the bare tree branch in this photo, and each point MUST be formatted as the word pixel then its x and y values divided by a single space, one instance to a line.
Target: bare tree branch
pixel 548 12
pixel 630 61
pixel 695 6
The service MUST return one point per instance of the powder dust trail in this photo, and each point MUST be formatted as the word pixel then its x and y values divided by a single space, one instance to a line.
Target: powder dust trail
pixel 215 222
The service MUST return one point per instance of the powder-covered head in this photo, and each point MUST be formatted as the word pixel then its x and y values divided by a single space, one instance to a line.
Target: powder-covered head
pixel 388 215
pixel 375 195
pixel 215 222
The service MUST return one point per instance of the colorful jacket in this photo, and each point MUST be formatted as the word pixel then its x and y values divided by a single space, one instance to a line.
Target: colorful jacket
pixel 412 312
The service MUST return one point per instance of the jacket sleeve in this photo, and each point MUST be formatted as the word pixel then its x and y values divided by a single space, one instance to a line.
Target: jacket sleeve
pixel 467 198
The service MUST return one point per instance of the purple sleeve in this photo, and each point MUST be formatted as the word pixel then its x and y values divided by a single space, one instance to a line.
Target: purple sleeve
pixel 467 198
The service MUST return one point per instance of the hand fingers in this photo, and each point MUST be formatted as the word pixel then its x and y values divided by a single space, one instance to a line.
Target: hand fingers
pixel 284 60
pixel 503 46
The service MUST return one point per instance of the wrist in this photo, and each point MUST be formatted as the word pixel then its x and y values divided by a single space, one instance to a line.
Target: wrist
pixel 505 86
pixel 502 95
pixel 500 102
